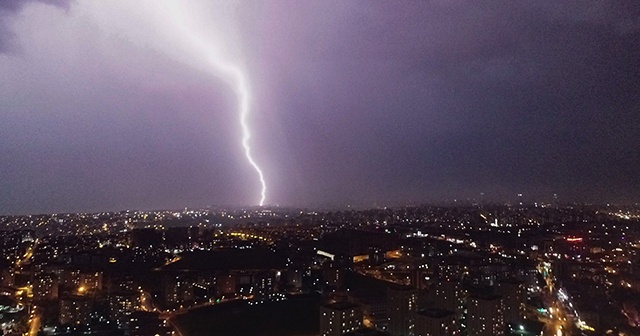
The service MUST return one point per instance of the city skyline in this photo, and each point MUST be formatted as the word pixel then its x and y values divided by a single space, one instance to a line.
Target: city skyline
pixel 363 103
pixel 414 271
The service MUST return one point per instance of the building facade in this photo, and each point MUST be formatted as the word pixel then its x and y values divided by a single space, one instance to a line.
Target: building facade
pixel 402 304
pixel 340 318
pixel 485 316
pixel 436 322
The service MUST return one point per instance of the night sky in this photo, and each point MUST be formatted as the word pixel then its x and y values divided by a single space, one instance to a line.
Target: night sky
pixel 104 105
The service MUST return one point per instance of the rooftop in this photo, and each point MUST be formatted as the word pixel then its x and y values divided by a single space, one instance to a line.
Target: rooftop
pixel 340 305
pixel 435 312
pixel 486 297
pixel 367 332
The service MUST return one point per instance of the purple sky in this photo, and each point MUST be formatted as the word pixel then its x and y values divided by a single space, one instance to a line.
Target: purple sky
pixel 361 102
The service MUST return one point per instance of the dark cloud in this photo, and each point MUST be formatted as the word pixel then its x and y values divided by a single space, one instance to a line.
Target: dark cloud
pixel 11 7
pixel 16 5
pixel 353 101
pixel 450 99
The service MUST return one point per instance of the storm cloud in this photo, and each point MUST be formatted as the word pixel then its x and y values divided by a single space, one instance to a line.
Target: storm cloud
pixel 360 102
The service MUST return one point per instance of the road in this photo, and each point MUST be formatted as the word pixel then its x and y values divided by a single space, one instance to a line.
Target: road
pixel 560 320
pixel 559 323
pixel 25 295
pixel 173 325
pixel 146 303
pixel 28 254
pixel 34 324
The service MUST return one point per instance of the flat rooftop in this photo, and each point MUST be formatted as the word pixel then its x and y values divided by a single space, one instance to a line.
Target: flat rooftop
pixel 435 312
pixel 342 305
pixel 486 297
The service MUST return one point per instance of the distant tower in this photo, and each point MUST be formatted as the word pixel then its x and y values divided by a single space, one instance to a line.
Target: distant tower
pixel 401 307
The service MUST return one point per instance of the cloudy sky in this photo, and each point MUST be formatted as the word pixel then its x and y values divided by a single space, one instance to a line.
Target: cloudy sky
pixel 110 105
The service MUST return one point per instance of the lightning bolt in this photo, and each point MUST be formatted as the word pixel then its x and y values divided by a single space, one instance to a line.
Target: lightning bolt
pixel 236 77
pixel 242 90
pixel 175 23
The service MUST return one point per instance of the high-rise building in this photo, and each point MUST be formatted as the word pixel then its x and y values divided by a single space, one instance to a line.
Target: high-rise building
pixel 367 332
pixel 178 288
pixel 339 318
pixel 75 310
pixel 485 316
pixel 264 284
pixel 88 280
pixel 45 287
pixel 120 282
pixel 226 284
pixel 448 295
pixel 451 271
pixel 147 323
pixel 402 304
pixel 294 278
pixel 514 296
pixel 436 322
pixel 333 278
pixel 121 305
